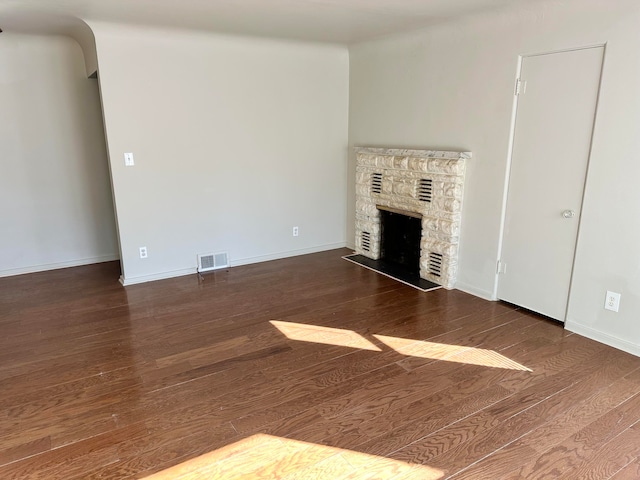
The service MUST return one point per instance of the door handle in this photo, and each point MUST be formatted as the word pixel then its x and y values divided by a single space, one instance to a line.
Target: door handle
pixel 568 214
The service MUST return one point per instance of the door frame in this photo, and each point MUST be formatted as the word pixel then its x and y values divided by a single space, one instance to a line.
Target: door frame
pixel 507 176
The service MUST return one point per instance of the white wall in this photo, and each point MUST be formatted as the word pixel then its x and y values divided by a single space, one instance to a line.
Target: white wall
pixel 236 140
pixel 451 87
pixel 55 198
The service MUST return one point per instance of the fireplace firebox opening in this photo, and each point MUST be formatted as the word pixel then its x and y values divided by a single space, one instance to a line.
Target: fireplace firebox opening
pixel 400 243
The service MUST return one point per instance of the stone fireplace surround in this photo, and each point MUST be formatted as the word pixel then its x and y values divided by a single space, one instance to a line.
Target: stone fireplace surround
pixel 428 183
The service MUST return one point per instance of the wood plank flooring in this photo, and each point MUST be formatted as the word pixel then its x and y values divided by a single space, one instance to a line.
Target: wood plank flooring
pixel 307 367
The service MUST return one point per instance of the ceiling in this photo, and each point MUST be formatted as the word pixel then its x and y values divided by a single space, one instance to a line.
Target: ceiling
pixel 334 21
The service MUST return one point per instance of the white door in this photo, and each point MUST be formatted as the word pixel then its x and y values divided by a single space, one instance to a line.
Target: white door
pixel 551 145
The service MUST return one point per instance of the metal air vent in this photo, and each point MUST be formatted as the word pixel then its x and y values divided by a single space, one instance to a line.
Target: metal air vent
pixel 366 241
pixel 435 264
pixel 212 261
pixel 425 190
pixel 376 183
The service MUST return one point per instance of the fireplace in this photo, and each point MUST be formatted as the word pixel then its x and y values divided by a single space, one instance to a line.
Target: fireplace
pixel 425 186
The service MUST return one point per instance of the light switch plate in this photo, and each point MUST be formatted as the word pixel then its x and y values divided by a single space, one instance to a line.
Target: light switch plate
pixel 128 159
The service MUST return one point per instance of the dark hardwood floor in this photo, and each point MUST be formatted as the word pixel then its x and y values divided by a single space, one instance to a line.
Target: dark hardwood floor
pixel 308 367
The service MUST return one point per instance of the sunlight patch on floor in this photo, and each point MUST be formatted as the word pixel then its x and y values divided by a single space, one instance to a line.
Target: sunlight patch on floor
pixel 266 456
pixel 324 335
pixel 404 346
pixel 450 353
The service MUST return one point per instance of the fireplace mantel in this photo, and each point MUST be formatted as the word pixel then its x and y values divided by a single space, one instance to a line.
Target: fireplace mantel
pixel 405 152
pixel 428 183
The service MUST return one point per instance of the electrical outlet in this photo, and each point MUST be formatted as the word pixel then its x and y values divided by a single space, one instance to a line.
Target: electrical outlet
pixel 143 252
pixel 612 301
pixel 296 232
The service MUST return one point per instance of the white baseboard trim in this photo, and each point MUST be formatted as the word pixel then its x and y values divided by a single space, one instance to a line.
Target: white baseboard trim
pixel 615 342
pixel 157 276
pixel 291 253
pixel 234 263
pixel 55 266
pixel 475 291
